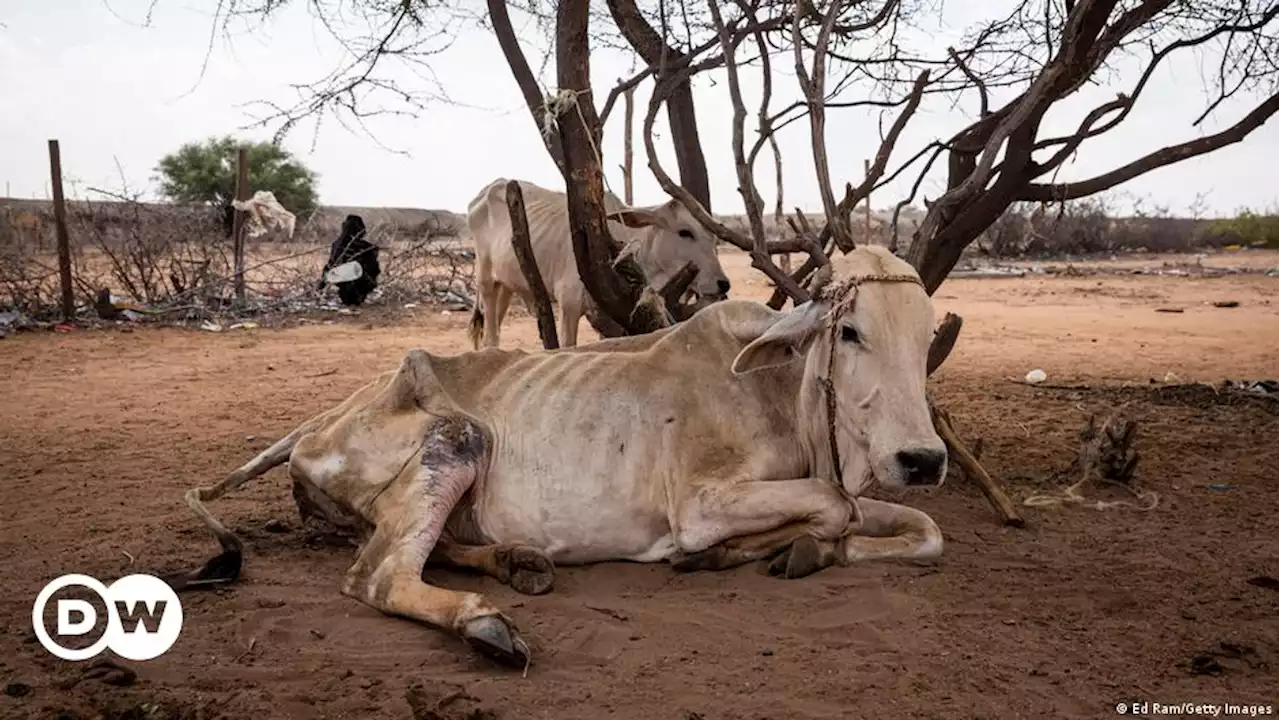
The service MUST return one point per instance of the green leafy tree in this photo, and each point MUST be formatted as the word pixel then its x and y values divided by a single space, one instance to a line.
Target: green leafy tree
pixel 205 172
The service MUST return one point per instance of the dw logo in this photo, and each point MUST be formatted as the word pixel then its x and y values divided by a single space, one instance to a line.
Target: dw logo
pixel 144 617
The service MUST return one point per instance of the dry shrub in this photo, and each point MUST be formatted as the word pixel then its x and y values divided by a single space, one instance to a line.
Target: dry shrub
pixel 176 259
pixel 1087 227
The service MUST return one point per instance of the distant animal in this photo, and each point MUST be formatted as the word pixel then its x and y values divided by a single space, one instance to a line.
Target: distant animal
pixel 353 245
pixel 664 238
pixel 740 434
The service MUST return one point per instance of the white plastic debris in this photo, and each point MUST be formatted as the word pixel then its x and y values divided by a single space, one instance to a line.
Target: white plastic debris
pixel 210 326
pixel 1035 377
pixel 263 212
pixel 243 326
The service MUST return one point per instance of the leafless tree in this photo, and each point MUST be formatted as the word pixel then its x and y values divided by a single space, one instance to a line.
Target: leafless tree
pixel 846 54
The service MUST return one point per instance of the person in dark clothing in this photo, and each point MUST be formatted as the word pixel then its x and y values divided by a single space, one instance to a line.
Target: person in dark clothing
pixel 352 245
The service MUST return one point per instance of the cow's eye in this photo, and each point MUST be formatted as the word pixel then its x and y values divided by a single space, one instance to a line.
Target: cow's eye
pixel 849 334
pixel 686 234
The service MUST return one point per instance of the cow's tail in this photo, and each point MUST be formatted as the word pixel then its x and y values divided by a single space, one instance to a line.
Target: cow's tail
pixel 225 567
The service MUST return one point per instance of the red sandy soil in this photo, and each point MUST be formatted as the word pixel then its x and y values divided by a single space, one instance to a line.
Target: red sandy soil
pixel 103 431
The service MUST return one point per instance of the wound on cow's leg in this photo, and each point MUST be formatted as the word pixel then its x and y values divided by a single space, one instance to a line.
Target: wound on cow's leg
pixel 388 571
pixel 526 569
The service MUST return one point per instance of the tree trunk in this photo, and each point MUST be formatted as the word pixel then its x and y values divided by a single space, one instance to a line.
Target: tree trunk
pixel 680 108
pixel 584 181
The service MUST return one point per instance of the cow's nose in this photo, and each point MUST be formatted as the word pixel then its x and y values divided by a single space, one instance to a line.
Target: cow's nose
pixel 724 286
pixel 921 466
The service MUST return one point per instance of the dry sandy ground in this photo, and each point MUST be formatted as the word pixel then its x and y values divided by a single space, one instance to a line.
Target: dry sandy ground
pixel 104 430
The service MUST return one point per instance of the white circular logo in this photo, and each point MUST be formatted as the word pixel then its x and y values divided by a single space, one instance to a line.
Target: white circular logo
pixel 144 617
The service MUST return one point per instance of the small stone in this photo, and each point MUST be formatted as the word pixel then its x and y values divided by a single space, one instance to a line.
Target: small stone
pixel 275 526
pixel 767 652
pixel 319 635
pixel 270 604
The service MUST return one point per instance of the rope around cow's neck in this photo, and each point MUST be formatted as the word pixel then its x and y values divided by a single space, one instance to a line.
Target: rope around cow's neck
pixel 842 296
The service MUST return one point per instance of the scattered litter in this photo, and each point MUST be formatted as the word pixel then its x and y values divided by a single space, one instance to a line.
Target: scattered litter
pixel 1266 388
pixel 243 325
pixel 1035 377
pixel 210 326
pixel 1221 487
pixel 250 438
pixel 12 319
pixel 64 328
pixel 132 315
pixel 1226 304
pixel 410 306
pixel 1168 310
pixel 1171 378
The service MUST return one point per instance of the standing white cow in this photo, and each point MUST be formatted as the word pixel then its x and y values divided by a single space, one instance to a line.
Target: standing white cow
pixel 736 435
pixel 664 239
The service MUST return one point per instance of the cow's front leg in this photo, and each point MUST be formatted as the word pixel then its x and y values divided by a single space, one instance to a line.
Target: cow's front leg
pixel 388 571
pixel 719 525
pixel 884 531
pixel 526 569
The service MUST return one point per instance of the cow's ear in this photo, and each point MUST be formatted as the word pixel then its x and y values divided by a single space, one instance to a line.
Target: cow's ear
pixel 636 217
pixel 784 341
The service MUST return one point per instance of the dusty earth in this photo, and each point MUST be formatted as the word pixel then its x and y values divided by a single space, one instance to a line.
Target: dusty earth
pixel 102 431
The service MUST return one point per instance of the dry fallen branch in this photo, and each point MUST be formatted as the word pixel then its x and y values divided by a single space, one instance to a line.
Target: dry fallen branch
pixel 944 339
pixel 973 469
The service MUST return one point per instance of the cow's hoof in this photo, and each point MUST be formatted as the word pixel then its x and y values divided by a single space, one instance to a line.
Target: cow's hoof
pixel 494 638
pixel 528 570
pixel 804 557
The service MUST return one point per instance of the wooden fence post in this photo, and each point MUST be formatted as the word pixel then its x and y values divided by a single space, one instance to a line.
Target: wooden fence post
pixel 64 242
pixel 237 227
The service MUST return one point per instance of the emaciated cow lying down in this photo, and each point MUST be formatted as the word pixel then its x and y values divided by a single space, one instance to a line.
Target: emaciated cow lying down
pixel 740 434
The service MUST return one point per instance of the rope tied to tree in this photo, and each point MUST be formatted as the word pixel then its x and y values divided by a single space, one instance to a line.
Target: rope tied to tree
pixel 556 104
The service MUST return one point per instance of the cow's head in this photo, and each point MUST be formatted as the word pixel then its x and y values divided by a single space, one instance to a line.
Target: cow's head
pixel 672 239
pixel 869 335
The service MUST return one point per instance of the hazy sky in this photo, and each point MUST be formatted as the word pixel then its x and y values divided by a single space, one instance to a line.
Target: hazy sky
pixel 87 73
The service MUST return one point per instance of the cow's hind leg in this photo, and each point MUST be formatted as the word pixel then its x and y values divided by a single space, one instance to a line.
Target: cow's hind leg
pixel 225 567
pixel 526 569
pixel 387 573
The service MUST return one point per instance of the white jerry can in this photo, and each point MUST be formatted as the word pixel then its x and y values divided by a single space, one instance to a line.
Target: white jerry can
pixel 345 272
